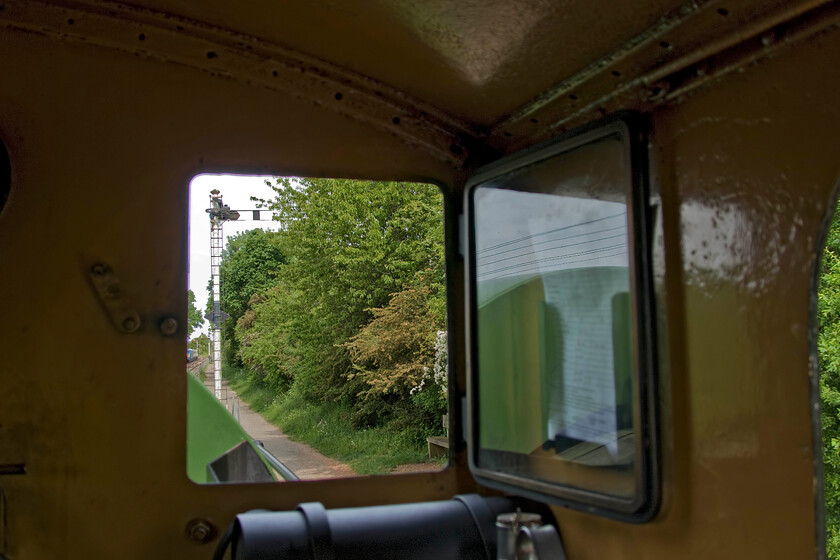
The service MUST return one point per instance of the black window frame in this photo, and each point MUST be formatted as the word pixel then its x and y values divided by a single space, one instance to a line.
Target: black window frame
pixel 644 505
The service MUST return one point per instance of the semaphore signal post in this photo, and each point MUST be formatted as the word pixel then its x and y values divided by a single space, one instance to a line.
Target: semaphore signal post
pixel 219 214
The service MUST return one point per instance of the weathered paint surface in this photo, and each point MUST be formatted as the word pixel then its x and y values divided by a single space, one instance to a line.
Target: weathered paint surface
pixel 104 138
pixel 103 147
pixel 746 173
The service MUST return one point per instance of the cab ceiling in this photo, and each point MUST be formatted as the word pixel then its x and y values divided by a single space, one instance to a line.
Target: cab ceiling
pixel 478 59
pixel 444 75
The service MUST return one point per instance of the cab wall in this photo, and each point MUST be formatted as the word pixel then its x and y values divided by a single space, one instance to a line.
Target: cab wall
pixel 746 169
pixel 103 144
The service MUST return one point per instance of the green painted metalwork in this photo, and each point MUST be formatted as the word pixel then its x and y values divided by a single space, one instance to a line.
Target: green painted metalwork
pixel 211 430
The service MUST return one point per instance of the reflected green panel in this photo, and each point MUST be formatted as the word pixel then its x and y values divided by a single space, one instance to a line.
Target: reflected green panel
pixel 622 360
pixel 509 353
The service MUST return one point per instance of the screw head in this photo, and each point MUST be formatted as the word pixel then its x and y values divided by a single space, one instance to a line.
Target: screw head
pixel 200 531
pixel 98 269
pixel 130 324
pixel 768 38
pixel 659 91
pixel 169 326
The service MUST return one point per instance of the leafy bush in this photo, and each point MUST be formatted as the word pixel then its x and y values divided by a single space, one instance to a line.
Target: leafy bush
pixel 432 392
pixel 828 310
pixel 348 246
pixel 394 355
pixel 264 341
pixel 392 352
pixel 250 264
pixel 347 316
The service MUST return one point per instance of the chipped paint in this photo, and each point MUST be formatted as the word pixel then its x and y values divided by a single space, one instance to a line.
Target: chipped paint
pixel 234 56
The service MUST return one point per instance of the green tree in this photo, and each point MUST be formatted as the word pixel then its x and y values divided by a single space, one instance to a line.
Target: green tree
pixel 251 263
pixel 828 310
pixel 350 245
pixel 263 334
pixel 201 344
pixel 195 320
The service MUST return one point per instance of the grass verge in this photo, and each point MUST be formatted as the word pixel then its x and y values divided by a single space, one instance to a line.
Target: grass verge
pixel 327 428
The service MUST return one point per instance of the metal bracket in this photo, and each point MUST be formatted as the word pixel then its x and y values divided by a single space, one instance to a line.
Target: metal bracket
pixel 107 285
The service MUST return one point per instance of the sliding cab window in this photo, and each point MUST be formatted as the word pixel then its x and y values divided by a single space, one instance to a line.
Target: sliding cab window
pixel 561 394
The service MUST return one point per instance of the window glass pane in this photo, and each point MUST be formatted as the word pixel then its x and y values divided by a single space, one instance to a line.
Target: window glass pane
pixel 554 321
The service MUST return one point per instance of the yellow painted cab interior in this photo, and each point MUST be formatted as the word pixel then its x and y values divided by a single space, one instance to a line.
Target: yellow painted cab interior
pixel 724 117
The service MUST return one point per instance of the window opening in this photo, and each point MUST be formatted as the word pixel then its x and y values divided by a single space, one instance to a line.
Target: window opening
pixel 828 343
pixel 329 296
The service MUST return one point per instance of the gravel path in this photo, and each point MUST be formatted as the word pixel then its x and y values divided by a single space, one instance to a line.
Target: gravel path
pixel 301 459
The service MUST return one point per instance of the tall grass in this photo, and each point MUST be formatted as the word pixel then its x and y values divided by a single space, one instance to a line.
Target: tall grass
pixel 327 427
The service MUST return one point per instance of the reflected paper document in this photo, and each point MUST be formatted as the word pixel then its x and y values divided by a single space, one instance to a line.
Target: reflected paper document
pixel 581 274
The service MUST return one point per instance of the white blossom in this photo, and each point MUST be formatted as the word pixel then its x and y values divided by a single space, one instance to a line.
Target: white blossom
pixel 439 375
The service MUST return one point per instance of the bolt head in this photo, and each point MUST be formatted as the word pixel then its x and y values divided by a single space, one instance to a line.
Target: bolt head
pixel 200 531
pixel 768 38
pixel 169 326
pixel 130 324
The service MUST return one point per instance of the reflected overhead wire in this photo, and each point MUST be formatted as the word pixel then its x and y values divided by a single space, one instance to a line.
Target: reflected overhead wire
pixel 555 230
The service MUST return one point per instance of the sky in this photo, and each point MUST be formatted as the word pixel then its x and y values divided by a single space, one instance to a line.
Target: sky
pixel 524 232
pixel 237 191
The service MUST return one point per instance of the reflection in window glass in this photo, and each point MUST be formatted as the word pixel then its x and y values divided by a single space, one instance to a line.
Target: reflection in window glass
pixel 555 368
